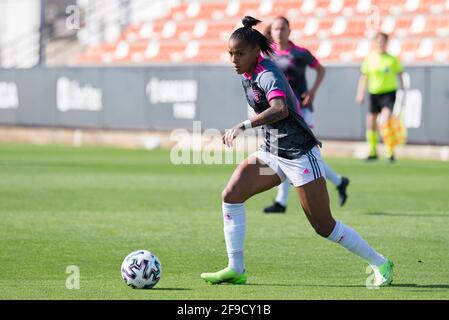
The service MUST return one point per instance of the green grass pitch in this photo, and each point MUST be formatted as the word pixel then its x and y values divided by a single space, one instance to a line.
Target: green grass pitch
pixel 90 207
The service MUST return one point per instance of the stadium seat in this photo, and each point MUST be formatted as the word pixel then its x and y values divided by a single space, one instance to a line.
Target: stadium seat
pixel 436 26
pixel 151 29
pixel 335 7
pixel 336 30
pixel 178 12
pixel 424 6
pixel 353 27
pixel 395 46
pixel 393 7
pixel 362 49
pixel 249 7
pixel 209 51
pixel 212 10
pixel 425 49
pixel 441 50
pixel 220 30
pixel 361 6
pixel 343 51
pixel 409 49
pixel 288 8
pixel 403 24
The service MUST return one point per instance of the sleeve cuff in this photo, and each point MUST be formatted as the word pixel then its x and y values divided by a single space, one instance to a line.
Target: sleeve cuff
pixel 314 64
pixel 276 94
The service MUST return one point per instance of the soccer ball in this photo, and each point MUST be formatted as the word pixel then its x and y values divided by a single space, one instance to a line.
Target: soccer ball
pixel 141 269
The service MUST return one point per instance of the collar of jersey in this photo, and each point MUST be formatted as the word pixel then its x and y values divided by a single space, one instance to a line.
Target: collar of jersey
pixel 283 52
pixel 250 76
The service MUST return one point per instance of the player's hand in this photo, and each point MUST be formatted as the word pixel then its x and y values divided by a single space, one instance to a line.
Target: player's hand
pixel 231 134
pixel 360 99
pixel 308 97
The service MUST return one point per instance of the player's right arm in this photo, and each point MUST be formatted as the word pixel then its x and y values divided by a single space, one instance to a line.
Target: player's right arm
pixel 277 111
pixel 364 69
pixel 360 98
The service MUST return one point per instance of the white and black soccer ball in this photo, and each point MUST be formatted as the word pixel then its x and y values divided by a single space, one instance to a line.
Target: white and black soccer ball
pixel 141 269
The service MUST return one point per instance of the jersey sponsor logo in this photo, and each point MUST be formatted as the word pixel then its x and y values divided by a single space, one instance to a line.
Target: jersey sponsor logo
pixel 256 95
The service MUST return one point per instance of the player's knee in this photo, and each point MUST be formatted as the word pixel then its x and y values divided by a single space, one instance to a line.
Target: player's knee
pixel 231 195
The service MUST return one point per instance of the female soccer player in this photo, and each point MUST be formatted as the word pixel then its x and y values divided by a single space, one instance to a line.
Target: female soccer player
pixel 381 70
pixel 293 61
pixel 290 151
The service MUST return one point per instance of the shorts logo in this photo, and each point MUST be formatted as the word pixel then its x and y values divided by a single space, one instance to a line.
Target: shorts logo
pixel 306 171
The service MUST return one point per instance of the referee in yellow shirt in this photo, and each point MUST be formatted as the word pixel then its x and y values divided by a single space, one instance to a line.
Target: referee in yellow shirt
pixel 382 71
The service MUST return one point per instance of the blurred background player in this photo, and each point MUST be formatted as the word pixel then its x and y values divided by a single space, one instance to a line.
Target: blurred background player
pixel 290 150
pixel 293 61
pixel 381 70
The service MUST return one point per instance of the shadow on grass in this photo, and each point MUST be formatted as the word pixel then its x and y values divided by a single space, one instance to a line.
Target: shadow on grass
pixel 170 289
pixel 398 214
pixel 424 286
pixel 304 285
pixel 400 285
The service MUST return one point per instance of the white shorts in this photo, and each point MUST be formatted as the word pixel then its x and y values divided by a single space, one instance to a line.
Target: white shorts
pixel 308 117
pixel 299 171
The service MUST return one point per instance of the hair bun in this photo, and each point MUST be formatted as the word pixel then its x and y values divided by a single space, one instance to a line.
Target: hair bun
pixel 249 21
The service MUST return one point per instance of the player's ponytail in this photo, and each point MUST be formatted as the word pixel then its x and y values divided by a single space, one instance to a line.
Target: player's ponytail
pixel 252 36
pixel 249 22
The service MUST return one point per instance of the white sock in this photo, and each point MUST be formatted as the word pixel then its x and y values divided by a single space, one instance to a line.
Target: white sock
pixel 234 220
pixel 352 241
pixel 331 175
pixel 282 196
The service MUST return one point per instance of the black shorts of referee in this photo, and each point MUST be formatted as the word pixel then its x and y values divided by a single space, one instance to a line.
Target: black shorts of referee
pixel 379 101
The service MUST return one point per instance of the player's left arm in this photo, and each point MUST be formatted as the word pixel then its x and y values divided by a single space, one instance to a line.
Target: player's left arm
pixel 277 111
pixel 309 95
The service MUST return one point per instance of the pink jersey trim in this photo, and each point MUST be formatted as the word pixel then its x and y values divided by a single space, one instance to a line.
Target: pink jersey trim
pixel 282 52
pixel 314 64
pixel 276 94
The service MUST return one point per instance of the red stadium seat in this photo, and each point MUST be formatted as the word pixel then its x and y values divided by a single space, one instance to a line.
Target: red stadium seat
pixel 441 50
pixel 287 8
pixel 220 30
pixel 402 26
pixel 212 10
pixel 210 51
pixel 437 26
pixel 409 50
pixel 249 7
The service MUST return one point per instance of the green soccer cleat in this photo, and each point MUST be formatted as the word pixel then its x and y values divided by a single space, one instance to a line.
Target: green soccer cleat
pixel 384 274
pixel 227 275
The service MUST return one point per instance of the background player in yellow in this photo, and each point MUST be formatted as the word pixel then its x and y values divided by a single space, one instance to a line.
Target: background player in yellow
pixel 381 71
